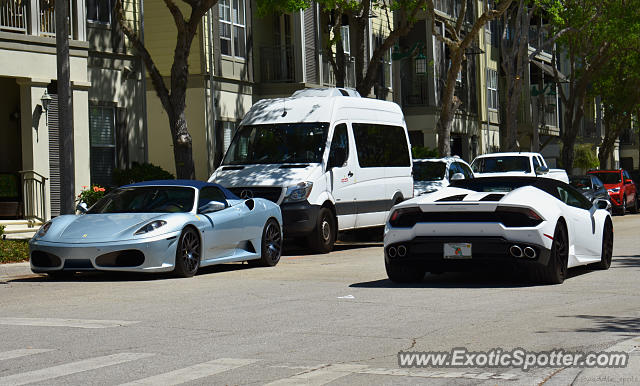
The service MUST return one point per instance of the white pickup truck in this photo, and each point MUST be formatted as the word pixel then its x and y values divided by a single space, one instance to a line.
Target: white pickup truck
pixel 515 164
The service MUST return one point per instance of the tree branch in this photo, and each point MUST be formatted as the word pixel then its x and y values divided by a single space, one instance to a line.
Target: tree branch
pixel 156 78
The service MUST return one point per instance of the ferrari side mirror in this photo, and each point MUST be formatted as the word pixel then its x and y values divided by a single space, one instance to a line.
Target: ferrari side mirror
pixel 82 208
pixel 212 206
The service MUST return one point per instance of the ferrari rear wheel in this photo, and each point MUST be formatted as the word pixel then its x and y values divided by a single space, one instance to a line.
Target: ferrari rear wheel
pixel 404 273
pixel 188 253
pixel 607 247
pixel 556 269
pixel 271 244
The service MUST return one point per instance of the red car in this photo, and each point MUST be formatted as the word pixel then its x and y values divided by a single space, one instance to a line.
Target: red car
pixel 621 189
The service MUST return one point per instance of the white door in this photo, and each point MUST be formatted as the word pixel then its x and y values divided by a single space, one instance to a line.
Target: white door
pixel 582 225
pixel 340 167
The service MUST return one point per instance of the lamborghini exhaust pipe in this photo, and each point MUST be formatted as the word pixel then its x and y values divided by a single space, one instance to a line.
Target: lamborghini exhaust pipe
pixel 515 251
pixel 392 252
pixel 530 252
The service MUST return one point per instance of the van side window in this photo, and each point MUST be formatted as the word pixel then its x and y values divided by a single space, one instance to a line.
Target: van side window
pixel 339 150
pixel 381 145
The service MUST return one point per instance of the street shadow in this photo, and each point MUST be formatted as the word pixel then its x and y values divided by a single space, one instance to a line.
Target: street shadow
pixel 626 261
pixel 103 276
pixel 298 247
pixel 485 277
pixel 627 326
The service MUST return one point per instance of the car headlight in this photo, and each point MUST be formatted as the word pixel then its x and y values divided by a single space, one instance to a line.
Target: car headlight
pixel 298 192
pixel 152 226
pixel 613 190
pixel 43 229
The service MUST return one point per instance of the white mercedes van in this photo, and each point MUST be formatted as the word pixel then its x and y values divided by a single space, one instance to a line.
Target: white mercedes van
pixel 332 160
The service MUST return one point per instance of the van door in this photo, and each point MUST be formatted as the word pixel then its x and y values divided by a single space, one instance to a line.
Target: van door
pixel 383 158
pixel 340 167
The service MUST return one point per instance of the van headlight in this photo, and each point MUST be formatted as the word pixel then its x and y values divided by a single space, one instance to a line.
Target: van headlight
pixel 298 192
pixel 152 226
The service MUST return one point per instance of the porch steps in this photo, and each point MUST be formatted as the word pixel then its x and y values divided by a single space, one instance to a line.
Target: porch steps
pixel 20 229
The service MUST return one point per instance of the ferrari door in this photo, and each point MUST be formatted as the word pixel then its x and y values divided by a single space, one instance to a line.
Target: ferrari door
pixel 585 238
pixel 222 234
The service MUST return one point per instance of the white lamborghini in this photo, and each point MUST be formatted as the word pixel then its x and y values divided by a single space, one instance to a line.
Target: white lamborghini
pixel 542 224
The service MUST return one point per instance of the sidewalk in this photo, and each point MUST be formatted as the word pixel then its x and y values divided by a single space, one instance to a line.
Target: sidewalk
pixel 14 269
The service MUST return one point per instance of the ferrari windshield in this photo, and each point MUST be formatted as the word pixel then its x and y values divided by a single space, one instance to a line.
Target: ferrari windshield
pixel 146 199
pixel 501 164
pixel 429 170
pixel 609 177
pixel 278 143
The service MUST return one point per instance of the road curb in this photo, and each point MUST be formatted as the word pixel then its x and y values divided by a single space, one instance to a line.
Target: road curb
pixel 11 270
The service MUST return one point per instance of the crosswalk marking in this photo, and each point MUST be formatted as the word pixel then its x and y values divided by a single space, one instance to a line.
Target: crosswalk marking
pixel 22 353
pixel 56 322
pixel 70 368
pixel 194 372
pixel 320 376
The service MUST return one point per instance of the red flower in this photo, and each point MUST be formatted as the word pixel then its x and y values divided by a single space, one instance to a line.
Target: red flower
pixel 101 189
pixel 95 188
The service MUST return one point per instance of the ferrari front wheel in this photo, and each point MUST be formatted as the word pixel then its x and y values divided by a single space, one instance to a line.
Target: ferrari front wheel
pixel 271 248
pixel 557 267
pixel 188 253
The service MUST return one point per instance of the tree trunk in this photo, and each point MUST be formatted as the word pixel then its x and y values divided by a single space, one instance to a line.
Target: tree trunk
pixel 449 104
pixel 357 29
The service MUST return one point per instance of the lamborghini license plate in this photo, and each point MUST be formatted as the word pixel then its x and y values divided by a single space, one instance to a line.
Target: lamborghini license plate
pixel 457 250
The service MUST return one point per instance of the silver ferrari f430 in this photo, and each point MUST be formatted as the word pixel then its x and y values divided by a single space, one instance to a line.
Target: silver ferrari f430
pixel 160 226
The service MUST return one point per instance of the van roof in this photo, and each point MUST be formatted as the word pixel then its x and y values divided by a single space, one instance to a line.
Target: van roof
pixel 323 109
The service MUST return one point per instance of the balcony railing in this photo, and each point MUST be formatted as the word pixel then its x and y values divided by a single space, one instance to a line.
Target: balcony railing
pixel 277 64
pixel 329 78
pixel 16 17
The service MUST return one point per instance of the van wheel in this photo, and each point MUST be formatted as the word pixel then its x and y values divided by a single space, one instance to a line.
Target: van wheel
pixel 323 237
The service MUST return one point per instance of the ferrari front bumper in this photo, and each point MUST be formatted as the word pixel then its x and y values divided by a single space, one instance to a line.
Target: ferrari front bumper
pixel 154 254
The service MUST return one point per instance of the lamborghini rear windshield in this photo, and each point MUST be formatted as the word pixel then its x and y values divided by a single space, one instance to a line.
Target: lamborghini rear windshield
pixel 146 199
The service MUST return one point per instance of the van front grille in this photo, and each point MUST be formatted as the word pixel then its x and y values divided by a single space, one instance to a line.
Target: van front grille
pixel 271 193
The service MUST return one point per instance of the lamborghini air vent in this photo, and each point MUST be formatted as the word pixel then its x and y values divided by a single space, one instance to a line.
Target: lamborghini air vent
pixel 458 197
pixel 492 197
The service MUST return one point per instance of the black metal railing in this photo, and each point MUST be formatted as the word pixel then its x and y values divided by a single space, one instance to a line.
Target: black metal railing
pixel 277 64
pixel 34 195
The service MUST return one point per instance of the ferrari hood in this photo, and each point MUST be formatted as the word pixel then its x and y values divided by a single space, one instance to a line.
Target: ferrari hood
pixel 103 227
pixel 264 175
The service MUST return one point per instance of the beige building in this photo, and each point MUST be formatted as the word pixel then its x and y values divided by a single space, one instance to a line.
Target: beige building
pixel 29 166
pixel 238 58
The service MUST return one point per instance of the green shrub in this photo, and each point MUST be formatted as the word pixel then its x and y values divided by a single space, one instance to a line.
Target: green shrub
pixel 91 195
pixel 424 152
pixel 14 251
pixel 1 230
pixel 140 172
pixel 585 157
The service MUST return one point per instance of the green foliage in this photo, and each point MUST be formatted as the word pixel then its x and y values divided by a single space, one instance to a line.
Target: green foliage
pixel 91 195
pixel 140 172
pixel 585 157
pixel 424 152
pixel 2 230
pixel 13 251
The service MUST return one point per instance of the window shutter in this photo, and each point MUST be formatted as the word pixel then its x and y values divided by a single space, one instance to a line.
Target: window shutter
pixel 54 156
pixel 310 42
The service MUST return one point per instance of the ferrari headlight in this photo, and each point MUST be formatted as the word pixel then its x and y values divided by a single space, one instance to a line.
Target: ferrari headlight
pixel 43 229
pixel 613 190
pixel 298 192
pixel 152 226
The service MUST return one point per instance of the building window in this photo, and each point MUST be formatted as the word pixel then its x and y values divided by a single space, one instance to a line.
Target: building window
pixel 232 28
pixel 385 63
pixel 99 11
pixel 492 89
pixel 346 40
pixel 103 143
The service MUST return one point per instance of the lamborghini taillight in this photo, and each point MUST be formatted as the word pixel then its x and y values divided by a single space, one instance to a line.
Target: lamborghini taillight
pixel 513 216
pixel 405 217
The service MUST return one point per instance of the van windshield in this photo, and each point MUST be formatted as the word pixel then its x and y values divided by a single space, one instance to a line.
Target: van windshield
pixel 278 143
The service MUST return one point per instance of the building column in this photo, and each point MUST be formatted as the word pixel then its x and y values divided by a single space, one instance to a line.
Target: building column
pixel 81 143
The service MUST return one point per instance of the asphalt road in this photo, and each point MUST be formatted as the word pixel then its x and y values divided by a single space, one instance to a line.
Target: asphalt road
pixel 313 319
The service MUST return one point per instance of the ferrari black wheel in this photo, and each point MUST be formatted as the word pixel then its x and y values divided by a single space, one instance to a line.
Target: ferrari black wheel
pixel 271 244
pixel 404 273
pixel 556 269
pixel 607 247
pixel 188 253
